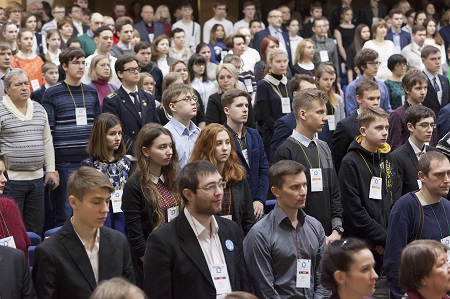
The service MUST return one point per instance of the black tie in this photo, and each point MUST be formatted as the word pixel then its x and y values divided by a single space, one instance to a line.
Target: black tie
pixel 137 104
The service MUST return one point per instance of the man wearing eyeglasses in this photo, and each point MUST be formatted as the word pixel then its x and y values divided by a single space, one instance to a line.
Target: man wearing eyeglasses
pixel 134 106
pixel 58 12
pixel 199 254
pixel 180 102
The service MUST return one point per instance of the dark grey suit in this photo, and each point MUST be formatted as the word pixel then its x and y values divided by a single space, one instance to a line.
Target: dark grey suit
pixel 62 268
pixel 15 280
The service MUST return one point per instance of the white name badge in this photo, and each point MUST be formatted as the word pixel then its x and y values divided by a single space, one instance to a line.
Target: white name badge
pixel 316 179
pixel 151 37
pixel 248 85
pixel 172 213
pixel 230 217
pixel 446 241
pixel 331 122
pixel 419 183
pixel 81 117
pixel 245 154
pixel 223 54
pixel 8 242
pixel 403 99
pixel 375 187
pixel 324 56
pixel 285 105
pixel 439 95
pixel 303 273
pixel 35 84
pixel 116 199
pixel 219 274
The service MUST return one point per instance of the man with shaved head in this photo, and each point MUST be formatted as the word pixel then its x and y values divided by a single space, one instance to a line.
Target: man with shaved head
pixel 87 40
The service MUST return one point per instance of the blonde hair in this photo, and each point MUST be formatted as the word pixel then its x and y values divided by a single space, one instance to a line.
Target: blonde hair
pixel 327 68
pixel 271 55
pixel 116 288
pixel 92 70
pixel 233 71
pixel 158 13
pixel 300 47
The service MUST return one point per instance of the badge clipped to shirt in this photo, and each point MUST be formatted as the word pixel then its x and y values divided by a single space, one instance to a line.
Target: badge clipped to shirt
pixel 285 105
pixel 303 273
pixel 35 84
pixel 248 85
pixel 245 154
pixel 116 199
pixel 439 95
pixel 446 242
pixel 375 187
pixel 172 213
pixel 8 242
pixel 219 274
pixel 151 37
pixel 81 117
pixel 331 122
pixel 419 183
pixel 229 217
pixel 316 179
pixel 324 56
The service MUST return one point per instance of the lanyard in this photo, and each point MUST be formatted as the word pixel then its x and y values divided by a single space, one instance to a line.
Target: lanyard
pixel 296 242
pixel 307 159
pixel 210 263
pixel 368 164
pixel 82 94
pixel 4 223
pixel 119 167
pixel 231 200
pixel 278 91
pixel 445 213
pixel 244 135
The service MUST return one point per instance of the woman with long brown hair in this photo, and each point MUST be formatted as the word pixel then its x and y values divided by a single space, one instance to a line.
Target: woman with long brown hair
pixel 150 196
pixel 216 145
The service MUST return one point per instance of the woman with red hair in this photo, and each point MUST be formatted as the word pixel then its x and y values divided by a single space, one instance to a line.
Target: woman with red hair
pixel 216 145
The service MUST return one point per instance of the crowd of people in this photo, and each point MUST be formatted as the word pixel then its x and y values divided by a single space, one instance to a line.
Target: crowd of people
pixel 152 149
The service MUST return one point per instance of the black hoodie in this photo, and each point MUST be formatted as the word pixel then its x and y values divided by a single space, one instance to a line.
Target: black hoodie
pixel 364 217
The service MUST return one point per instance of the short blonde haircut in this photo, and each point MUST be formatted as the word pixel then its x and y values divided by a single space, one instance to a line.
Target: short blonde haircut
pixel 116 288
pixel 233 71
pixel 92 70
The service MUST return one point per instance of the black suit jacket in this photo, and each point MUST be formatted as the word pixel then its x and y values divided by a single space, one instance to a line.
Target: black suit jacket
pixel 75 30
pixel 365 14
pixel 62 268
pixel 15 281
pixel 431 99
pixel 175 266
pixel 119 103
pixel 266 32
pixel 214 111
pixel 346 131
pixel 407 166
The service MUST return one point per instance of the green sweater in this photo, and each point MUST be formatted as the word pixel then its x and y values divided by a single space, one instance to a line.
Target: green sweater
pixel 87 44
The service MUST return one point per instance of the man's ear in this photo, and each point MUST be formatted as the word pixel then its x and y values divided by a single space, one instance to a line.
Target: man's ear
pixel 226 110
pixel 362 130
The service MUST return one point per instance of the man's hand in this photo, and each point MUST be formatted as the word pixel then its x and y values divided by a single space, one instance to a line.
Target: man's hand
pixel 258 208
pixel 333 237
pixel 52 176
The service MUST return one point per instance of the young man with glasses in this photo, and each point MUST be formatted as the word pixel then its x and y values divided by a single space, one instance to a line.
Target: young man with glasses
pixel 135 107
pixel 71 108
pixel 198 252
pixel 367 62
pixel 58 12
pixel 179 102
pixel 420 122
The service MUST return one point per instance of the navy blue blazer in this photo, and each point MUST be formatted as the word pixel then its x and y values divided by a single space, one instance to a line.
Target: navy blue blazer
pixel 445 34
pixel 346 131
pixel 38 94
pixel 431 100
pixel 75 30
pixel 119 103
pixel 257 172
pixel 158 29
pixel 15 275
pixel 62 268
pixel 263 33
pixel 405 37
pixel 283 129
pixel 443 121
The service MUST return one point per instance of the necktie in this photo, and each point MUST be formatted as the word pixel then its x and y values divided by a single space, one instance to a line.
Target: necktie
pixel 436 86
pixel 137 104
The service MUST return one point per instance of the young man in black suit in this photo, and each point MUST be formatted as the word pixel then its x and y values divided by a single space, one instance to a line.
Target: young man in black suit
pixel 134 106
pixel 197 255
pixel 367 95
pixel 72 262
pixel 16 280
pixel 420 121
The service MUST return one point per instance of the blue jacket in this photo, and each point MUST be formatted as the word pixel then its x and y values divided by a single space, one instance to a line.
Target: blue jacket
pixel 158 29
pixel 443 121
pixel 266 32
pixel 405 37
pixel 257 171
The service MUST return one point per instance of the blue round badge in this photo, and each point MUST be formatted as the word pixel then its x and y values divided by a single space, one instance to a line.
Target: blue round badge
pixel 229 245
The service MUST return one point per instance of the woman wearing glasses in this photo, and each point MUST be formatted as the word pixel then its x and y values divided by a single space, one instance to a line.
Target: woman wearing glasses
pixel 348 269
pixel 150 196
pixel 216 145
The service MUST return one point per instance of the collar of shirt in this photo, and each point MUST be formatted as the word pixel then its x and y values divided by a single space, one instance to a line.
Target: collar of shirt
pixel 233 132
pixel 182 130
pixel 280 215
pixel 275 81
pixel 415 47
pixel 417 150
pixel 128 91
pixel 273 30
pixel 200 231
pixel 396 32
pixel 431 77
pixel 47 86
pixel 89 33
pixel 305 141
pixel 155 179
pixel 20 54
pixel 124 46
pixel 10 105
